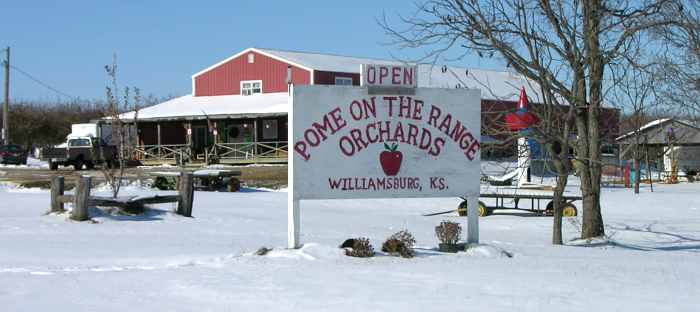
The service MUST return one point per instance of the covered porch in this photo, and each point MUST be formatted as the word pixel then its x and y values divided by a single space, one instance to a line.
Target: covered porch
pixel 207 130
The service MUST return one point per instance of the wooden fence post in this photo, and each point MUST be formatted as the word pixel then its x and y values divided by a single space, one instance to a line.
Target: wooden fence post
pixel 57 189
pixel 81 200
pixel 184 206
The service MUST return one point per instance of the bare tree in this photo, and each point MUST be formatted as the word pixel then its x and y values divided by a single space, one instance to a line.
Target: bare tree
pixel 565 46
pixel 635 91
pixel 122 132
pixel 679 75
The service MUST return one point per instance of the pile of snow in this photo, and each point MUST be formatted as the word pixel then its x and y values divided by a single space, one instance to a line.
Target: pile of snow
pixel 310 251
pixel 133 188
pixel 487 251
pixel 11 187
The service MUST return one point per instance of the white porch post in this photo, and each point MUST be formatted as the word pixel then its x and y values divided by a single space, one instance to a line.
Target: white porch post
pixel 473 219
pixel 158 138
pixel 255 138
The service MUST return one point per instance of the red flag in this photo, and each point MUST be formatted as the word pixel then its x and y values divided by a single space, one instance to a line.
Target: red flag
pixel 523 102
pixel 521 119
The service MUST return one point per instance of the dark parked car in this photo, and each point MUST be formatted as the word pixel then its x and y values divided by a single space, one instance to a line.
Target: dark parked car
pixel 13 154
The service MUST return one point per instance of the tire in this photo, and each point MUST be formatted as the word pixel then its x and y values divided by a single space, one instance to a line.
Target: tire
pixel 53 166
pixel 113 164
pixel 568 210
pixel 78 164
pixel 483 209
pixel 234 185
pixel 549 211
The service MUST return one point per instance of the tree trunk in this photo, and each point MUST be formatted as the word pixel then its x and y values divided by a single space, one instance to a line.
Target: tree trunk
pixel 646 155
pixel 637 172
pixel 557 201
pixel 592 217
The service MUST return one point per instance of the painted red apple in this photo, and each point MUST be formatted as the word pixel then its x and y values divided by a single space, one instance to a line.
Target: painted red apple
pixel 391 159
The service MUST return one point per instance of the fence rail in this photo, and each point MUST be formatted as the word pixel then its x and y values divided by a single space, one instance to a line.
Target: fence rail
pixel 181 153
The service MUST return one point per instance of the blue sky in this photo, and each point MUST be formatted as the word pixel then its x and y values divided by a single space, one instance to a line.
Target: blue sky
pixel 160 44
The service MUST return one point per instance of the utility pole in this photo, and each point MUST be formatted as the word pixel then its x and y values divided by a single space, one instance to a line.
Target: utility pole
pixel 6 105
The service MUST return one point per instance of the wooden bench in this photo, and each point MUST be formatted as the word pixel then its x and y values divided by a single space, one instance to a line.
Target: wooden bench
pixel 82 200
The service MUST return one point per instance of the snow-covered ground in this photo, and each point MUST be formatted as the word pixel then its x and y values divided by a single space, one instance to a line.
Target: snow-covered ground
pixel 163 262
pixel 32 163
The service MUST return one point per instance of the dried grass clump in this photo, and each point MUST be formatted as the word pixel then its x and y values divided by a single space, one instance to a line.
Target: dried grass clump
pixel 361 248
pixel 400 243
pixel 448 232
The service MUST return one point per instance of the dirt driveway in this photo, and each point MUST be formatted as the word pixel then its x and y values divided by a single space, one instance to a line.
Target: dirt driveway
pixel 270 176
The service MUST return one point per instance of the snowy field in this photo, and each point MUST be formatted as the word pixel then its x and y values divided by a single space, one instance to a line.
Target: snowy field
pixel 163 262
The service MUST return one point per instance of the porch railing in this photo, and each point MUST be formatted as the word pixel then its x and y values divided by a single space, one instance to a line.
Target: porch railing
pixel 176 152
pixel 249 151
pixel 181 153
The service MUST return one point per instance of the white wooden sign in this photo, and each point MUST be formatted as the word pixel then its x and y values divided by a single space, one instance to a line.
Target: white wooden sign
pixel 345 143
pixel 377 75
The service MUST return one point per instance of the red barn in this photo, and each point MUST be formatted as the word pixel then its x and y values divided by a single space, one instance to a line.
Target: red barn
pixel 237 111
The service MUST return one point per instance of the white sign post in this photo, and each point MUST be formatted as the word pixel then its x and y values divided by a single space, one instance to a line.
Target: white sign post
pixel 346 143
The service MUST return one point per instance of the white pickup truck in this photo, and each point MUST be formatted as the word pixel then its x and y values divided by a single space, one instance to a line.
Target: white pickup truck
pixel 86 146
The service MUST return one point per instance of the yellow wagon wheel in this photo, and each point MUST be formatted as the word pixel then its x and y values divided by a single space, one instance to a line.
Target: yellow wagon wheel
pixel 569 211
pixel 483 210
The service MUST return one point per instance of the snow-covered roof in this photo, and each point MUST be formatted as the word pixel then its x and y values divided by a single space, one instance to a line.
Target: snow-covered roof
pixel 644 127
pixel 655 123
pixel 228 105
pixel 685 132
pixel 327 62
pixel 494 84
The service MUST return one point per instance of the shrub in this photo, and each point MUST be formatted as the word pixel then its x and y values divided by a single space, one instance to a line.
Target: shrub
pixel 361 248
pixel 448 232
pixel 165 184
pixel 406 237
pixel 400 243
pixel 396 247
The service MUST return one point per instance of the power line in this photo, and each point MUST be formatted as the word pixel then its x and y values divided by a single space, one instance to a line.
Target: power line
pixel 43 84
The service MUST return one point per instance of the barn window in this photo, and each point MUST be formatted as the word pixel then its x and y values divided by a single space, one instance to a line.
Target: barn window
pixel 251 58
pixel 251 87
pixel 343 81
